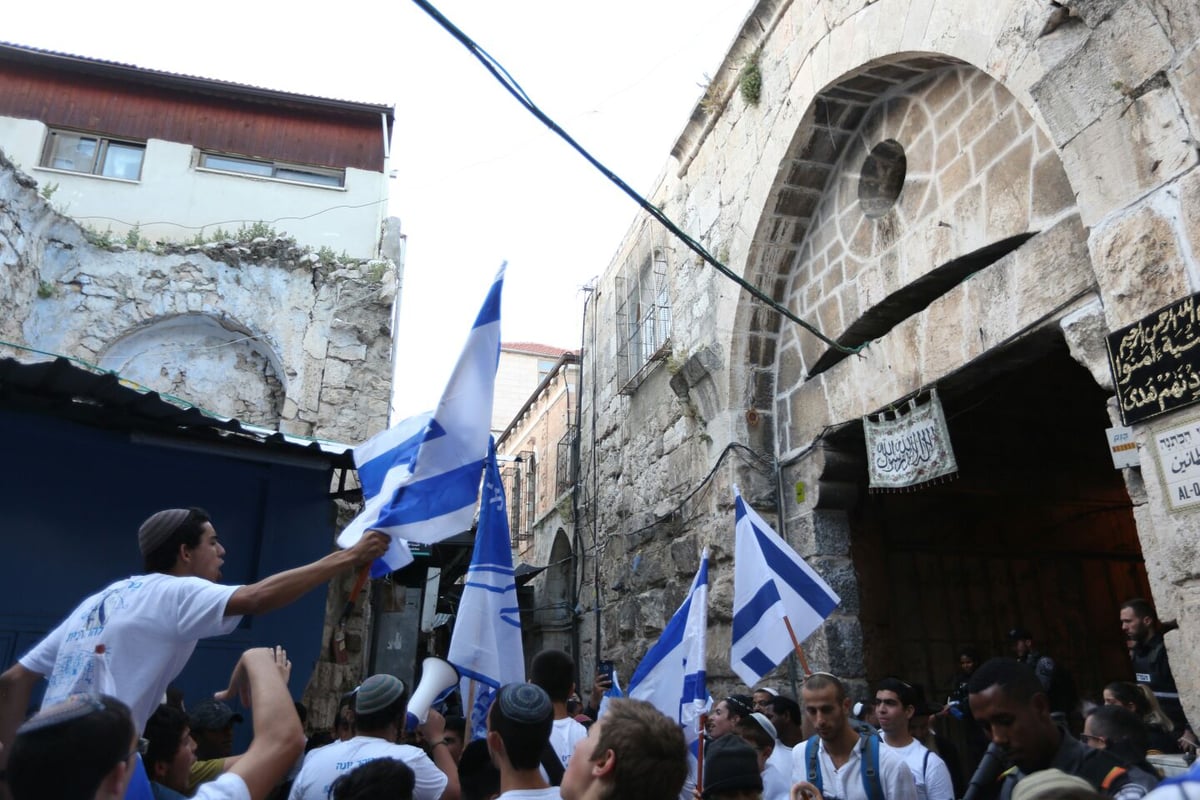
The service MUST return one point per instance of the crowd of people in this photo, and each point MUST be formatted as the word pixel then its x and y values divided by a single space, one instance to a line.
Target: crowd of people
pixel 1013 728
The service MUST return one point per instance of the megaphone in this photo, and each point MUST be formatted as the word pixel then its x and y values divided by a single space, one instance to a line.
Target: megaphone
pixel 437 676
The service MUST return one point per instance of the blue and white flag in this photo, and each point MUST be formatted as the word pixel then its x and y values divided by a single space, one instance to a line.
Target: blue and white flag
pixel 421 477
pixel 485 647
pixel 772 587
pixel 672 675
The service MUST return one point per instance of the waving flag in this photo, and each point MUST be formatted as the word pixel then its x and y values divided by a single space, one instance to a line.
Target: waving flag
pixel 485 647
pixel 772 588
pixel 671 676
pixel 421 476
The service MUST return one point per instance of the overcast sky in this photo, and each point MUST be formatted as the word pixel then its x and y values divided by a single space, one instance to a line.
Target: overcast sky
pixel 479 180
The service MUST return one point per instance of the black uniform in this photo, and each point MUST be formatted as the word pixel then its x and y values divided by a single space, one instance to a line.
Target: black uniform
pixel 1152 668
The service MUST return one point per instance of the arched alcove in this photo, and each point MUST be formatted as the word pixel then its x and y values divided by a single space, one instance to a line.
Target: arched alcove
pixel 215 363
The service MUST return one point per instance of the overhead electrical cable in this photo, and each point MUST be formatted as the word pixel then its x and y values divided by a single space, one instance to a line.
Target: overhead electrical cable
pixel 514 88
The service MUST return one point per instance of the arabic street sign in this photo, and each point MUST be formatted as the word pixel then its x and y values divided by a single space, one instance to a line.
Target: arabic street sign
pixel 1155 362
pixel 1178 449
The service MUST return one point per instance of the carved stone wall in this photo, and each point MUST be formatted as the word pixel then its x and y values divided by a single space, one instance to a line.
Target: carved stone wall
pixel 1051 174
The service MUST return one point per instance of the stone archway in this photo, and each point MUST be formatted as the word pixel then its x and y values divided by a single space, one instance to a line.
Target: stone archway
pixel 215 363
pixel 921 221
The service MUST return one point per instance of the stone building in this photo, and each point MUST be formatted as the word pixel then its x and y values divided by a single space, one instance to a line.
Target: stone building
pixel 262 330
pixel 536 454
pixel 960 195
pixel 519 373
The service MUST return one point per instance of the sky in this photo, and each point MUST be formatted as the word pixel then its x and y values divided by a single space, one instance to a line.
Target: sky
pixel 478 179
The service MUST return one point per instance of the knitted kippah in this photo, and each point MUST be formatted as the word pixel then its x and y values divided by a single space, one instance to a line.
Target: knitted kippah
pixel 524 702
pixel 765 724
pixel 74 707
pixel 159 528
pixel 1048 783
pixel 377 693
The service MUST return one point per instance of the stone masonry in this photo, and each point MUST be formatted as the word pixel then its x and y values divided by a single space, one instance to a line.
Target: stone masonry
pixel 1050 183
pixel 260 330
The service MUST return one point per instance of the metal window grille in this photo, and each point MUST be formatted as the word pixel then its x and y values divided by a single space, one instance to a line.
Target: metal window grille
pixel 643 310
pixel 563 479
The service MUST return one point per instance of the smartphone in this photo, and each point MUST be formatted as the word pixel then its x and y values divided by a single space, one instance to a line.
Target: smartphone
pixel 607 667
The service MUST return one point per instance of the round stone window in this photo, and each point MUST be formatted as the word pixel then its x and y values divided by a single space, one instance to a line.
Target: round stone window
pixel 882 178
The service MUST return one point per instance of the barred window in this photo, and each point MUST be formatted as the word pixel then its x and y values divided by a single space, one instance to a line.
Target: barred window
pixel 643 309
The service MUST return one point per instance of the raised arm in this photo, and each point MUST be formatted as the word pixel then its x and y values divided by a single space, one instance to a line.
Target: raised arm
pixel 278 736
pixel 16 687
pixel 282 588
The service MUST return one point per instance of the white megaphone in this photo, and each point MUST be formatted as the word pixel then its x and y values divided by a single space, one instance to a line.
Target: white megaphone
pixel 437 676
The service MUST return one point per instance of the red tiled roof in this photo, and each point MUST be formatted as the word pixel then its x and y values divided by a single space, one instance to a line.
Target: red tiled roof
pixel 533 348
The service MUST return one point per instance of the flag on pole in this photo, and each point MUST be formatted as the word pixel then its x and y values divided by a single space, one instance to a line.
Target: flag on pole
pixel 672 675
pixel 772 587
pixel 421 477
pixel 485 647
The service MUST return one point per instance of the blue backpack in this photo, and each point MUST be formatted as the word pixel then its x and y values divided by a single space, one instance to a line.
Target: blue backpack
pixel 870 768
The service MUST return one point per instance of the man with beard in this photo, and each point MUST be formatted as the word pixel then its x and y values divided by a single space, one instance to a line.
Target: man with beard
pixel 1151 667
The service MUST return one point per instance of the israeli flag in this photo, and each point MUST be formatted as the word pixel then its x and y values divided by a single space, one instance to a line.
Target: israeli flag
pixel 421 477
pixel 485 647
pixel 672 675
pixel 772 587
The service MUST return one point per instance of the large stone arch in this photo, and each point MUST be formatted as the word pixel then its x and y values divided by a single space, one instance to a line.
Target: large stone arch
pixel 216 362
pixel 830 48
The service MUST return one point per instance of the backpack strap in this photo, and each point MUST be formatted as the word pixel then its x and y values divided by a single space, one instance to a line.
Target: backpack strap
pixel 810 758
pixel 872 784
pixel 925 766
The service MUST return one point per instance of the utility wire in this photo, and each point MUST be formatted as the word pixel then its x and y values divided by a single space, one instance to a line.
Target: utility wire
pixel 510 84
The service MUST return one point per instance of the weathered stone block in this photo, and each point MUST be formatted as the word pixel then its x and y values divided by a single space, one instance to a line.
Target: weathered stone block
pixel 1185 79
pixel 1127 152
pixel 1008 192
pixel 1121 54
pixel 1052 193
pixel 1138 264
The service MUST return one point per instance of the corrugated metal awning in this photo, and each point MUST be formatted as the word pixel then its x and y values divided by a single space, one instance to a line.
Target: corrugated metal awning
pixel 103 399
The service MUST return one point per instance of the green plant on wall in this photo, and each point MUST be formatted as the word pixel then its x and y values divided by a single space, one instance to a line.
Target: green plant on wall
pixel 750 79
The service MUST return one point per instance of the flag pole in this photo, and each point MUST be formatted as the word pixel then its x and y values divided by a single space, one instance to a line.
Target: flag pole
pixel 700 753
pixel 796 644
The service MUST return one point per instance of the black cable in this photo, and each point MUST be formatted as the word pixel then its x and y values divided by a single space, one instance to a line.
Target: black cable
pixel 512 87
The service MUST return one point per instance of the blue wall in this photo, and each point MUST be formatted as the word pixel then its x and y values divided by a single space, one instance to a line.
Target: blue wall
pixel 72 498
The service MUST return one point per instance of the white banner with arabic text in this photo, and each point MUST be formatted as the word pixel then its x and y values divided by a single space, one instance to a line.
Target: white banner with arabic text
pixel 910 448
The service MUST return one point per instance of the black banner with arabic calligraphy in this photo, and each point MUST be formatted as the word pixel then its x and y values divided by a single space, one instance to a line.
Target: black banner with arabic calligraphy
pixel 1156 361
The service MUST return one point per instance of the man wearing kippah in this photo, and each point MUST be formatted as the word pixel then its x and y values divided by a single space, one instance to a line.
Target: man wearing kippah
pixel 380 707
pixel 134 637
pixel 518 728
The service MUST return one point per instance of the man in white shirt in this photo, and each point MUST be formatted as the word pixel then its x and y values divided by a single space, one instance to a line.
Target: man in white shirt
pixel 518 727
pixel 134 637
pixel 554 671
pixel 833 758
pixel 380 708
pixel 93 736
pixel 895 704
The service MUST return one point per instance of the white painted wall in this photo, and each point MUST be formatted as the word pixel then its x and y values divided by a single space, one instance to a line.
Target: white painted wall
pixel 173 200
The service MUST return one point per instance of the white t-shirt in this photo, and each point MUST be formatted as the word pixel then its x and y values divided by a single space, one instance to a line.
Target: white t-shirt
pixel 564 736
pixel 550 793
pixel 846 783
pixel 324 765
pixel 775 784
pixel 226 787
pixel 149 626
pixel 781 759
pixel 928 770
